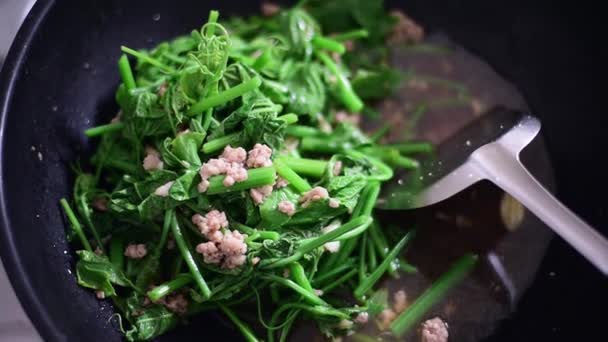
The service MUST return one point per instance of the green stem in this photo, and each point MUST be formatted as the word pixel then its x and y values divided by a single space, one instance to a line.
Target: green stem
pixel 382 131
pixel 291 176
pixel 319 144
pixel 350 99
pixel 406 267
pixel 383 171
pixel 164 235
pixel 413 147
pixel 310 244
pixel 145 58
pixel 309 296
pixel 368 199
pixel 339 281
pixel 225 96
pixel 457 272
pixel 188 258
pixel 75 224
pixel 255 178
pixel 371 280
pixel 372 258
pixel 126 74
pixel 213 16
pixel 302 131
pixel 306 167
pixel 323 43
pixel 103 129
pixel 355 34
pixel 117 252
pixel 362 257
pixel 243 328
pixel 217 144
pixel 171 286
pixel 298 274
pixel 289 119
pixel 332 273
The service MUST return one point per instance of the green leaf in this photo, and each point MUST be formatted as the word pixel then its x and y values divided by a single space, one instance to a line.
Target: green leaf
pixel 316 213
pixel 300 28
pixel 97 272
pixel 153 322
pixel 377 302
pixel 306 89
pixel 272 218
pixel 146 106
pixel 185 186
pixel 186 146
pixel 376 84
pixel 346 189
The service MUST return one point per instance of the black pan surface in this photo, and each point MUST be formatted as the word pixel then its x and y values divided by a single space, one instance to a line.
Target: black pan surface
pixel 60 77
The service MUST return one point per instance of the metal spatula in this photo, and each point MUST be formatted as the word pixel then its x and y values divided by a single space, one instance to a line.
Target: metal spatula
pixel 489 149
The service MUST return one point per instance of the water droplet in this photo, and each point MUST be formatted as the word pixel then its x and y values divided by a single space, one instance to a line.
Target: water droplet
pixel 502 126
pixel 156 17
pixel 470 175
pixel 421 177
pixel 86 66
pixel 430 174
pixel 54 108
pixel 440 163
pixel 468 142
pixel 400 181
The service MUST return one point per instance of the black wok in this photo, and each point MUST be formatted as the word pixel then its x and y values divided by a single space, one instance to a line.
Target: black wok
pixel 60 77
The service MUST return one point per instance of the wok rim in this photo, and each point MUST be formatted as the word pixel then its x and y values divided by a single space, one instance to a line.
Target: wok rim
pixel 15 270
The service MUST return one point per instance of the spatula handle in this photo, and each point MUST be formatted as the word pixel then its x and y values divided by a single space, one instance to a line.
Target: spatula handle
pixel 502 167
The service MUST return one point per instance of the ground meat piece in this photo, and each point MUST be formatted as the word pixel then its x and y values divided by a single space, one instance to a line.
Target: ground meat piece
pixel 213 167
pixel 281 183
pixel 233 243
pixel 399 301
pixel 362 318
pixel 234 261
pixel 162 89
pixel 344 117
pixel 269 9
pixel 170 244
pixel 259 156
pixel 211 223
pixel 211 254
pixel 177 303
pixel 332 246
pixel 234 155
pixel 203 185
pixel 235 172
pixel 405 30
pixel 345 324
pixel 334 203
pixel 385 318
pixel 100 203
pixel 100 294
pixel 287 207
pixel 349 45
pixel 163 190
pixel 255 260
pixel 418 84
pixel 152 160
pixel 98 251
pixel 117 118
pixel 337 168
pixel 317 193
pixel 259 194
pixel 136 251
pixel 434 330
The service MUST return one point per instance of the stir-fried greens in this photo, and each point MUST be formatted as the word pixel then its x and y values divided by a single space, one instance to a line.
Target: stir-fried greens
pixel 233 174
